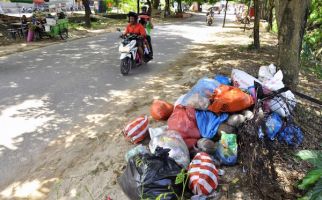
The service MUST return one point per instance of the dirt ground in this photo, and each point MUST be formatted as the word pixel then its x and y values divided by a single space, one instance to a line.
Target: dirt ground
pixel 88 163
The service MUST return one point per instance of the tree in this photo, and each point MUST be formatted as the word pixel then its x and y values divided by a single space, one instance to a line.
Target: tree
pixel 87 13
pixel 179 6
pixel 150 7
pixel 291 18
pixel 156 4
pixel 256 24
pixel 167 7
pixel 270 13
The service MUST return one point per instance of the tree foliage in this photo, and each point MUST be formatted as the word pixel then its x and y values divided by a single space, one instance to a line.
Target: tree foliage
pixel 312 45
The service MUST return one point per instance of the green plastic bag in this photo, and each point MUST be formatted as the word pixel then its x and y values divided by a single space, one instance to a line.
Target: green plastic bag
pixel 227 149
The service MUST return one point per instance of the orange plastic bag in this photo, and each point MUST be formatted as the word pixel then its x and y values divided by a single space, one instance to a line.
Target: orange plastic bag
pixel 161 110
pixel 229 99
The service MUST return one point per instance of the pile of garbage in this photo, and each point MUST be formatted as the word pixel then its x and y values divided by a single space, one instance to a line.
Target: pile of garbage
pixel 202 132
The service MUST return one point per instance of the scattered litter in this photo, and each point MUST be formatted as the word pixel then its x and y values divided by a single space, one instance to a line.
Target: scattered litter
pixel 161 110
pixel 171 140
pixel 198 96
pixel 183 120
pixel 203 175
pixel 147 176
pixel 136 130
pixel 229 99
pixel 227 149
pixel 140 149
pixel 208 123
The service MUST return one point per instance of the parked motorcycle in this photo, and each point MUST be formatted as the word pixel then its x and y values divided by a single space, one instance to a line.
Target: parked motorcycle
pixel 130 57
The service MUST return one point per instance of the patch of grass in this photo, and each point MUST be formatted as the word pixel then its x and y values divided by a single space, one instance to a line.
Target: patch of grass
pixel 312 67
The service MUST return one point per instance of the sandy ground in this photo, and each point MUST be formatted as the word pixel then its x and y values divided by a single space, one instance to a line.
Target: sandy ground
pixel 87 165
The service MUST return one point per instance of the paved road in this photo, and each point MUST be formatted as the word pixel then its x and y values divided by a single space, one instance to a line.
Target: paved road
pixel 45 92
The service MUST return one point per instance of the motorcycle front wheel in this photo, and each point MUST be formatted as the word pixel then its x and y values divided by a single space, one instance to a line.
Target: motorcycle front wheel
pixel 126 65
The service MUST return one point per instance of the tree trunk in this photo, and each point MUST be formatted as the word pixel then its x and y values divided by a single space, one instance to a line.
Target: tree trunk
pixel 270 14
pixel 149 11
pixel 291 18
pixel 167 8
pixel 256 24
pixel 87 13
pixel 156 4
pixel 179 6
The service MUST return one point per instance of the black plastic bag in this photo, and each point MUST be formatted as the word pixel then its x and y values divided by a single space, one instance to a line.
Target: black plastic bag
pixel 148 176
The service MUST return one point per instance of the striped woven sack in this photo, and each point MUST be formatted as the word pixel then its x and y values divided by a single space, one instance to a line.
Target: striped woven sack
pixel 203 175
pixel 136 130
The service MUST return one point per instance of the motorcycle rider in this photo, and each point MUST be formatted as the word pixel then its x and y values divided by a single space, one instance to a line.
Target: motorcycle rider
pixel 146 21
pixel 136 28
pixel 211 13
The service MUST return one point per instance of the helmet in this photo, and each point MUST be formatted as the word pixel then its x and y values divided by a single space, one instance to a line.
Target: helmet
pixel 133 14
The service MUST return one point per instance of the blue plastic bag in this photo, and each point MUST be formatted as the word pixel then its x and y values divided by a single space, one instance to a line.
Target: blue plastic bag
pixel 272 126
pixel 226 152
pixel 223 79
pixel 198 96
pixel 292 135
pixel 208 123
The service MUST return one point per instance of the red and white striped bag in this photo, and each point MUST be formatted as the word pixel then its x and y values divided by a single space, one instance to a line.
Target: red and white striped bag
pixel 136 130
pixel 203 175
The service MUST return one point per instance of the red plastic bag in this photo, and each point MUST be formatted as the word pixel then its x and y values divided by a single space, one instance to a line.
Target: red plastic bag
pixel 183 120
pixel 161 110
pixel 229 99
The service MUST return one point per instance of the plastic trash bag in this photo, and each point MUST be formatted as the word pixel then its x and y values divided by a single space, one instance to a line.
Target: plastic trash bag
pixel 271 127
pixel 236 120
pixel 203 175
pixel 198 96
pixel 242 80
pixel 278 104
pixel 157 131
pixel 227 149
pixel 183 120
pixel 229 99
pixel 292 135
pixel 172 140
pixel 209 122
pixel 136 130
pixel 206 145
pixel 223 79
pixel 266 72
pixel 140 149
pixel 147 176
pixel 161 110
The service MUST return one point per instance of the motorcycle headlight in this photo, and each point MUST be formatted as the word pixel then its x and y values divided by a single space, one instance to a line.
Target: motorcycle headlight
pixel 125 49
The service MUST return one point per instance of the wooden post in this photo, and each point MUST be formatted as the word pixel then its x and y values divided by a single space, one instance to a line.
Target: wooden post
pixel 223 25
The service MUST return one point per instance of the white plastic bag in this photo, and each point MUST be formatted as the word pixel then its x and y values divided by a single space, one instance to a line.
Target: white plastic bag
pixel 266 72
pixel 172 140
pixel 278 104
pixel 154 132
pixel 242 80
